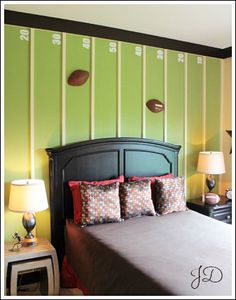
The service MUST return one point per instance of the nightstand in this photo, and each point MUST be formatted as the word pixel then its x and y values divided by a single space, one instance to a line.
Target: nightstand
pixel 40 260
pixel 221 211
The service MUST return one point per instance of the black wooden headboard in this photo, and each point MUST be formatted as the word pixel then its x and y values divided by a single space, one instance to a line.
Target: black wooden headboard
pixel 99 160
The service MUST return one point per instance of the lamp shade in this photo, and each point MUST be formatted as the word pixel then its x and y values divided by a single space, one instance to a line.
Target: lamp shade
pixel 28 195
pixel 211 162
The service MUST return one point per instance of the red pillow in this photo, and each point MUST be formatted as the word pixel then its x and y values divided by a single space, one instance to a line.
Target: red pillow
pixel 75 189
pixel 152 178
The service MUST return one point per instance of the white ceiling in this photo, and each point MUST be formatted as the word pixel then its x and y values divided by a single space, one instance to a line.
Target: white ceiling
pixel 209 23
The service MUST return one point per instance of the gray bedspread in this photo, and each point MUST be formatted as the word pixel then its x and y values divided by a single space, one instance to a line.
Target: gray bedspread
pixel 183 254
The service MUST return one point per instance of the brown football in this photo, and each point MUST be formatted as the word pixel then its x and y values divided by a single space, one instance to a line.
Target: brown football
pixel 78 77
pixel 155 105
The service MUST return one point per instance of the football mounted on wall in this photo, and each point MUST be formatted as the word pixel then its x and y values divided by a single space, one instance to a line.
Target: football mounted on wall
pixel 155 105
pixel 78 77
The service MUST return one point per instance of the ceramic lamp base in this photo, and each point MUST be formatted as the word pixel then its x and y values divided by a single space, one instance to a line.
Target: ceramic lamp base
pixel 210 182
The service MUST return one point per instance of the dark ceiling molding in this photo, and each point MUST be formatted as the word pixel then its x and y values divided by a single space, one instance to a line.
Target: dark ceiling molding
pixel 62 25
pixel 227 52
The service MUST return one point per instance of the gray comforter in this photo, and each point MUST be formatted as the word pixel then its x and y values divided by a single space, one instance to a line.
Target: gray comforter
pixel 183 254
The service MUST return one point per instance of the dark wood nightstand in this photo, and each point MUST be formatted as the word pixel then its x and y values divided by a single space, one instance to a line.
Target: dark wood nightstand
pixel 221 211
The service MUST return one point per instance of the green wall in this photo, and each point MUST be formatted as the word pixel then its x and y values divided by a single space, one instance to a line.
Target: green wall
pixel 42 110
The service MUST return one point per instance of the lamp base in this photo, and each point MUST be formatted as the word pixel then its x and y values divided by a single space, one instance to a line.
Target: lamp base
pixel 29 242
pixel 29 222
pixel 210 182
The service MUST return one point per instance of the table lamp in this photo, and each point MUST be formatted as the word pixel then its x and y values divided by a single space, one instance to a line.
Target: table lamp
pixel 28 196
pixel 211 163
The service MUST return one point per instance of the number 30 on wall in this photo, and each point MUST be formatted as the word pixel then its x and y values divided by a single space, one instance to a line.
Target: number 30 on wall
pixel 56 39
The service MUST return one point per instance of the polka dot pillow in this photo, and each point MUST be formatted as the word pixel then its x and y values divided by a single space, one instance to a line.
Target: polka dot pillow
pixel 135 199
pixel 100 203
pixel 170 195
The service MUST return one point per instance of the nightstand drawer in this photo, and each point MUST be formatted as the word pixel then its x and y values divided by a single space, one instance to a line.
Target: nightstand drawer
pixel 225 217
pixel 17 269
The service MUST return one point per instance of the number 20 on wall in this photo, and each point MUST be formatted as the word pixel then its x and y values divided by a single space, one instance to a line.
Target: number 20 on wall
pixel 24 34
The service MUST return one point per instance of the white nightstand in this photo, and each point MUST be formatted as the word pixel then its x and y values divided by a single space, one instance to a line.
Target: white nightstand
pixel 41 258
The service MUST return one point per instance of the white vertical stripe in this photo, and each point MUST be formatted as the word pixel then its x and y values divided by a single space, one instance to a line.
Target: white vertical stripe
pixel 204 103
pixel 63 91
pixel 32 100
pixel 165 96
pixel 221 116
pixel 118 89
pixel 185 119
pixel 144 92
pixel 32 141
pixel 92 88
pixel 204 115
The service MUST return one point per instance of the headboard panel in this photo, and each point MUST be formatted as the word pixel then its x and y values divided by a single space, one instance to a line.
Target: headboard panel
pixel 99 160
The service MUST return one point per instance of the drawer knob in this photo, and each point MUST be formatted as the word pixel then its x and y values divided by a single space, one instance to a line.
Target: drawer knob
pixel 228 217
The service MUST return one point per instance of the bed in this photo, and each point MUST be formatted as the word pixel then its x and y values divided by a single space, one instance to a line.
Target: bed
pixel 182 253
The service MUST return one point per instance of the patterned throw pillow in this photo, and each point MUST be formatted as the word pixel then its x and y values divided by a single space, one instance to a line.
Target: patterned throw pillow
pixel 153 183
pixel 75 189
pixel 136 199
pixel 100 203
pixel 170 195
